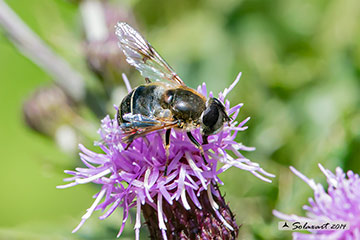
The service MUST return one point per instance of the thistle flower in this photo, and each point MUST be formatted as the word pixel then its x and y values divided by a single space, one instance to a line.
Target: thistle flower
pixel 341 202
pixel 186 202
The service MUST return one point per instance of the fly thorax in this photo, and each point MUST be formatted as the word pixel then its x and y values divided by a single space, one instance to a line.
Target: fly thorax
pixel 189 126
pixel 184 104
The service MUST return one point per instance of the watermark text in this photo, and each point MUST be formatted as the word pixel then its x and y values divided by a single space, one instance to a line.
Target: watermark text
pixel 313 225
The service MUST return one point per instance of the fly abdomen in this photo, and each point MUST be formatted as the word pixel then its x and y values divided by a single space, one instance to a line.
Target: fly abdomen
pixel 143 100
pixel 124 107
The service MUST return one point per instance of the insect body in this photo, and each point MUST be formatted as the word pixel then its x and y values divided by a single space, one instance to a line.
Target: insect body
pixel 165 103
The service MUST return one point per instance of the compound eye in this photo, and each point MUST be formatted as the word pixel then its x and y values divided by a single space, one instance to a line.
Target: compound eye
pixel 211 116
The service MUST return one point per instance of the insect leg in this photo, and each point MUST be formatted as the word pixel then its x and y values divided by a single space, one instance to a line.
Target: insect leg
pixel 167 146
pixel 205 139
pixel 128 145
pixel 193 140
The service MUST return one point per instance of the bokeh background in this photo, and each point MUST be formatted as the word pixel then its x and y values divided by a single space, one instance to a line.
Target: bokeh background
pixel 301 86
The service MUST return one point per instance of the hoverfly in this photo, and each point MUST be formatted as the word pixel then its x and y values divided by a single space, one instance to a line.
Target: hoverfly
pixel 164 101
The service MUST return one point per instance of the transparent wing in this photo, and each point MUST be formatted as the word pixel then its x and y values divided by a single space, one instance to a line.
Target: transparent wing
pixel 138 125
pixel 140 54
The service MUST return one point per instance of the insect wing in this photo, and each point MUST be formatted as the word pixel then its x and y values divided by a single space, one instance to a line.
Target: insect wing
pixel 140 125
pixel 140 54
pixel 138 121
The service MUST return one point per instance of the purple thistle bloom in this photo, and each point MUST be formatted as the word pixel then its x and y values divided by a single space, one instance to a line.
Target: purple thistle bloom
pixel 341 202
pixel 134 177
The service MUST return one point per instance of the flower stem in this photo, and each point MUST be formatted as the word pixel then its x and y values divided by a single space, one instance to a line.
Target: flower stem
pixel 39 52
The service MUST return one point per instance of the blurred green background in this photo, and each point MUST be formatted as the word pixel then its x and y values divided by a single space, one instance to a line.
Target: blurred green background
pixel 301 86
